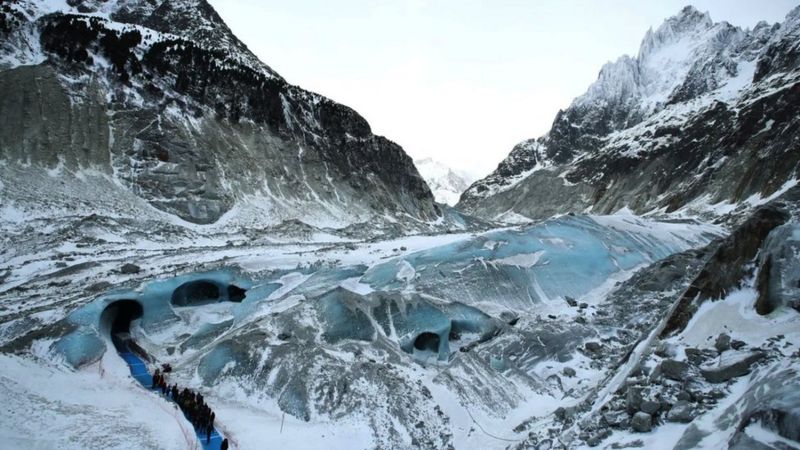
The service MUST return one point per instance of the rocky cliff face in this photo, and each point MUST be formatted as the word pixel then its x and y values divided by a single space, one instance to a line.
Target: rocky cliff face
pixel 162 98
pixel 705 115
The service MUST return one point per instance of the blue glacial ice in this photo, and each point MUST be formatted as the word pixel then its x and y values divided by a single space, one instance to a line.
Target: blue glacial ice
pixel 517 268
pixel 431 303
pixel 91 323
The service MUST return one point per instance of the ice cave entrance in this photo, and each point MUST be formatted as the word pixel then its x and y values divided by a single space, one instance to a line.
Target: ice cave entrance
pixel 117 316
pixel 427 342
pixel 201 292
pixel 116 321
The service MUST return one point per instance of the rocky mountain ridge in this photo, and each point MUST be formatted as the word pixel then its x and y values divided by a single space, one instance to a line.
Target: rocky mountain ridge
pixel 161 99
pixel 703 117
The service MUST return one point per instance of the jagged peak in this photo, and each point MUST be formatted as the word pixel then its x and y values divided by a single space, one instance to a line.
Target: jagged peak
pixel 688 21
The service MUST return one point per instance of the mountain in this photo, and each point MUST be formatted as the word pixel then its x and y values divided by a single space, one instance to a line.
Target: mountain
pixel 168 199
pixel 446 184
pixel 704 119
pixel 148 107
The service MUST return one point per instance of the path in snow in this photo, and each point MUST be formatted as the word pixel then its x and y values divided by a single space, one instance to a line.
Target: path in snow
pixel 140 373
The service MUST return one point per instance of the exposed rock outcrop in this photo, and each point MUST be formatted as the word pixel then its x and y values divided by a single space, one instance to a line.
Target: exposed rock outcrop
pixel 706 114
pixel 175 108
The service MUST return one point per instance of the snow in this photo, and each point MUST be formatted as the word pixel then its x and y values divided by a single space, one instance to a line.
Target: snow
pixel 525 260
pixel 736 316
pixel 445 183
pixel 47 406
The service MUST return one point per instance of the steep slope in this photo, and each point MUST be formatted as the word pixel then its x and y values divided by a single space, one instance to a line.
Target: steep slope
pixel 445 183
pixel 161 99
pixel 705 114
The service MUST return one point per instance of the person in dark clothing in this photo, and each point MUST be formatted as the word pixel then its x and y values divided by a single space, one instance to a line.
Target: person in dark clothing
pixel 224 445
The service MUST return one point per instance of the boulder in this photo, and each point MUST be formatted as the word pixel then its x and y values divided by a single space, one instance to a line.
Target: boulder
pixel 734 367
pixel 697 356
pixel 593 347
pixel 129 269
pixel 569 372
pixel 723 342
pixel 565 414
pixel 682 411
pixel 674 370
pixel 642 422
pixel 633 399
pixel 99 286
pixel 650 407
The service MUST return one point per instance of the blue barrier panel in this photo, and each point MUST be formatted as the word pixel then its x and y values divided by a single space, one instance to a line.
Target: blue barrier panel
pixel 140 373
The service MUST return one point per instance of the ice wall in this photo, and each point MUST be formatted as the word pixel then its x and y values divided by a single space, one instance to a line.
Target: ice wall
pixel 517 268
pixel 86 343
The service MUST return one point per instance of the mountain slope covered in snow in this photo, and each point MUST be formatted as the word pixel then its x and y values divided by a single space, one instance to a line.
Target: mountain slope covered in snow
pixel 161 100
pixel 704 118
pixel 445 183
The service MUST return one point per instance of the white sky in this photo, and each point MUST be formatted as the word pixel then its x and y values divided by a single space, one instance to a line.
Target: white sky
pixel 461 81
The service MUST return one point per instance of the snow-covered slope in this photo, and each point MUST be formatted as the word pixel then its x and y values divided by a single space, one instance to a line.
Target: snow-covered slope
pixel 705 114
pixel 161 99
pixel 445 183
pixel 581 330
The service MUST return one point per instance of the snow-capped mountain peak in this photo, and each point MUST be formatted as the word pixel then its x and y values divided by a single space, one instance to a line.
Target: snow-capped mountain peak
pixel 690 72
pixel 445 183
pixel 689 22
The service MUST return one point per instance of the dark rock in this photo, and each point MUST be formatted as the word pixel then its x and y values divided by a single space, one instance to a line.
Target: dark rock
pixel 683 395
pixel 555 381
pixel 641 422
pixel 99 286
pixel 596 438
pixel 681 411
pixel 75 268
pixel 650 407
pixel 565 414
pixel 61 264
pixel 722 343
pixel 633 399
pixel 674 370
pixel 697 356
pixel 129 269
pixel 569 372
pixel 616 419
pixel 778 281
pixel 727 266
pixel 593 347
pixel 737 345
pixel 570 301
pixel 632 444
pixel 738 368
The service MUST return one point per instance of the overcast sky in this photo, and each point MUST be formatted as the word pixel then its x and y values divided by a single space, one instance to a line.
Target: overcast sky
pixel 461 81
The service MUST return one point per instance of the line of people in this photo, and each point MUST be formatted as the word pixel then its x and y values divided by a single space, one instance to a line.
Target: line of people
pixel 192 404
